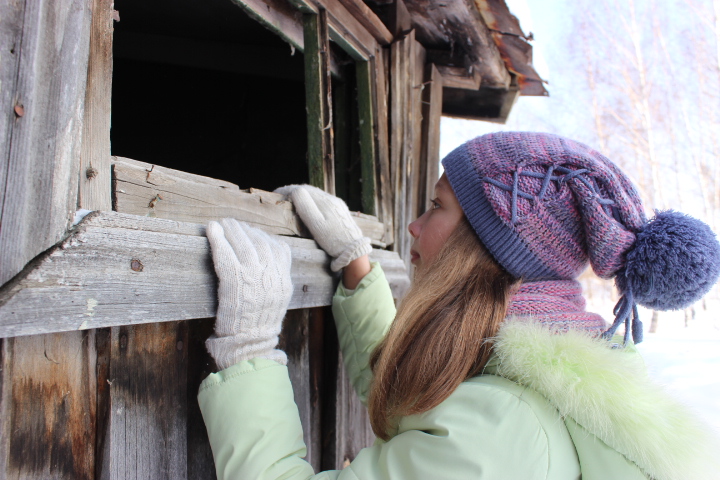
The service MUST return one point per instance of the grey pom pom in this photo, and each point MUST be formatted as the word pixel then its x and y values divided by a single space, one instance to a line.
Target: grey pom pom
pixel 674 262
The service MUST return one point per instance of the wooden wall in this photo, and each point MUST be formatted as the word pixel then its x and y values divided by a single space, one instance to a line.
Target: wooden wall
pixel 120 401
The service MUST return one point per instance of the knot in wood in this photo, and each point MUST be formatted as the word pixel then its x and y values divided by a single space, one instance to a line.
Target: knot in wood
pixel 91 173
pixel 136 265
pixel 305 288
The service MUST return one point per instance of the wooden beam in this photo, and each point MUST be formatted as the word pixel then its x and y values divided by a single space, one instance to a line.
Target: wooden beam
pixel 153 191
pixel 42 125
pixel 94 181
pixel 366 114
pixel 383 180
pixel 344 28
pixel 414 137
pixel 432 112
pixel 369 20
pixel 459 77
pixel 279 17
pixel 318 96
pixel 400 79
pixel 118 269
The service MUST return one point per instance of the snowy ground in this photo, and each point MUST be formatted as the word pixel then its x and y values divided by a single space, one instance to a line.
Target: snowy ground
pixel 687 359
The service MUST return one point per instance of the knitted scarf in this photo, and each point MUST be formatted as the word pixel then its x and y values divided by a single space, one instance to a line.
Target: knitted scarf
pixel 558 304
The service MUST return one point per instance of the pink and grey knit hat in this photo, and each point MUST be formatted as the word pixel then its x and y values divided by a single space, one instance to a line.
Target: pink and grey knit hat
pixel 544 206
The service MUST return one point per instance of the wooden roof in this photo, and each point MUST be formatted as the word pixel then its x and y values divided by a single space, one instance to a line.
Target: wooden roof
pixel 482 53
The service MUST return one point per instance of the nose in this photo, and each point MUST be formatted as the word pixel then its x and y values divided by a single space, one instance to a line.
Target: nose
pixel 415 227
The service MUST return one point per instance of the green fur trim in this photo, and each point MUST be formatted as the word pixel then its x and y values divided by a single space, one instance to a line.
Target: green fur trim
pixel 609 393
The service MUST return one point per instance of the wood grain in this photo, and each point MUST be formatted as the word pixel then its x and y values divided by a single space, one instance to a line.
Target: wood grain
pixel 383 180
pixel 41 162
pixel 148 402
pixel 366 113
pixel 47 403
pixel 117 269
pixel 432 111
pixel 400 149
pixel 153 191
pixel 11 22
pixel 369 21
pixel 94 174
pixel 318 100
pixel 295 341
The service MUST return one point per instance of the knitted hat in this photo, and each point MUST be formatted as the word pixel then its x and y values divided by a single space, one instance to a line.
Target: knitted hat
pixel 544 206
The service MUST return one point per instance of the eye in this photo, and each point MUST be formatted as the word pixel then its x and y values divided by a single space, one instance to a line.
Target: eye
pixel 434 204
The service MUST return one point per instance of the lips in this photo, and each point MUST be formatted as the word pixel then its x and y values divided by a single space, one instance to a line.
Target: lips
pixel 414 256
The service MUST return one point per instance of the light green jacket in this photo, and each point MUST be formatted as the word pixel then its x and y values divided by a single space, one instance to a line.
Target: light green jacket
pixel 547 407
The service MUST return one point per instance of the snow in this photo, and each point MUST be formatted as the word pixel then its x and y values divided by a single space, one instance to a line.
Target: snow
pixel 687 359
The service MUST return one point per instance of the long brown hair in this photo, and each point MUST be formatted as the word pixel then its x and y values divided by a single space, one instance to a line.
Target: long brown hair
pixel 441 331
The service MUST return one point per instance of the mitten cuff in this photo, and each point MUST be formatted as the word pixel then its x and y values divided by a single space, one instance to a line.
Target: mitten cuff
pixel 353 251
pixel 227 351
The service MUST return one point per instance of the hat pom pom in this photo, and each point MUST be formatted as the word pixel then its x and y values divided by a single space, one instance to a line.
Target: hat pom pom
pixel 674 262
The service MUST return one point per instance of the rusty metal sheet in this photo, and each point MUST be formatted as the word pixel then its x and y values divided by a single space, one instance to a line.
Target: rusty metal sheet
pixel 513 45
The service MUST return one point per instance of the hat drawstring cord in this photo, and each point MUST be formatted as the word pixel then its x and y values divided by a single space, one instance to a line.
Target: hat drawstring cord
pixel 626 312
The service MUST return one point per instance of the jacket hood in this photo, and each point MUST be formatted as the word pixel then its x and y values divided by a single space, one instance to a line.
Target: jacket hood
pixel 609 393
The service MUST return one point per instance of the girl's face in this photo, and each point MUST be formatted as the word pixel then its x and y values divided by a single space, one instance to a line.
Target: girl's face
pixel 434 227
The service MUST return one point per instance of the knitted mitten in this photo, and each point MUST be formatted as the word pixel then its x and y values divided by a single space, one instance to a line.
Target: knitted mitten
pixel 328 219
pixel 253 294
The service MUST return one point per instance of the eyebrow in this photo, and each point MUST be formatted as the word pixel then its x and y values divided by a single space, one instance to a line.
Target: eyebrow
pixel 442 187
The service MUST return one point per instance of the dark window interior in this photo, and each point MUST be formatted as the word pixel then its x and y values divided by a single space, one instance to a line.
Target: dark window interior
pixel 201 87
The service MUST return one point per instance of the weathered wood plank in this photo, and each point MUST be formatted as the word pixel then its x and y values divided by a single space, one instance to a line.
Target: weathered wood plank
pixel 278 16
pixel 47 427
pixel 148 402
pixel 285 20
pixel 94 187
pixel 369 21
pixel 400 149
pixel 345 419
pixel 366 115
pixel 42 162
pixel 344 28
pixel 118 269
pixel 318 98
pixel 432 112
pixel 459 77
pixel 383 180
pixel 11 24
pixel 200 462
pixel 154 170
pixel 417 173
pixel 150 190
pixel 162 193
pixel 295 341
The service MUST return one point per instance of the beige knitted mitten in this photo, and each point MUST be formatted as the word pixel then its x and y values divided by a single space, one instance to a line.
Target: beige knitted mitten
pixel 253 294
pixel 328 219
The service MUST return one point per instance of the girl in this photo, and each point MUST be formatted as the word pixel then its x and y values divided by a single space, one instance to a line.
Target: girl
pixel 491 368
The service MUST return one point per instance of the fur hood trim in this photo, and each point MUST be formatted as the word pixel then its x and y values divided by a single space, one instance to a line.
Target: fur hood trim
pixel 609 393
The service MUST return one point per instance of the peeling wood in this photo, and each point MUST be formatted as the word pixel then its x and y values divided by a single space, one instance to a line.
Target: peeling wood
pixel 87 280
